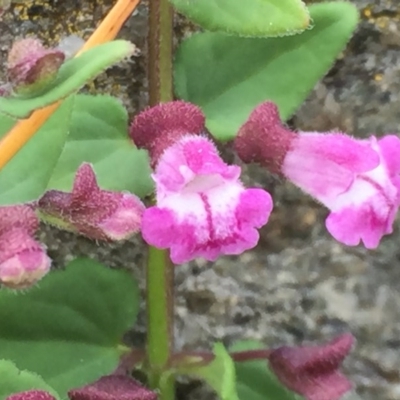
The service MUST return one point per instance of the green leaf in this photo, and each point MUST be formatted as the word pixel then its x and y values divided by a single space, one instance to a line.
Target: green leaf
pixel 228 76
pixel 219 374
pixel 68 329
pixel 14 381
pixel 73 74
pixel 252 18
pixel 99 135
pixel 255 381
pixel 27 175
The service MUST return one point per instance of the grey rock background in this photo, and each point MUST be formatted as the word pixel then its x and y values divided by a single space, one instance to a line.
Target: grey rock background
pixel 299 284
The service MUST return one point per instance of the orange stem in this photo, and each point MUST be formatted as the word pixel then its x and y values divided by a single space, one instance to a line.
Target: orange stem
pixel 23 130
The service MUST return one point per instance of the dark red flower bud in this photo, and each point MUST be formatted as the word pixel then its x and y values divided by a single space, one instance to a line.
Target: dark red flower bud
pixel 312 371
pixel 31 395
pixel 30 66
pixel 159 127
pixel 263 139
pixel 113 387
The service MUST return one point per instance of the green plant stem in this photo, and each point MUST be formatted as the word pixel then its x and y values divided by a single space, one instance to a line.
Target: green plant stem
pixel 160 270
pixel 160 314
pixel 160 51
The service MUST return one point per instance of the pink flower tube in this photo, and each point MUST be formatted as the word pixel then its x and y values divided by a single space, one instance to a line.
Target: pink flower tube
pixel 358 180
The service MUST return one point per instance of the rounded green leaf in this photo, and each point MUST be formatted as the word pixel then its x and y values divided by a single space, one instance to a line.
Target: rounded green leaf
pixel 258 18
pixel 27 175
pixel 98 133
pixel 73 74
pixel 228 76
pixel 255 381
pixel 69 328
pixel 13 380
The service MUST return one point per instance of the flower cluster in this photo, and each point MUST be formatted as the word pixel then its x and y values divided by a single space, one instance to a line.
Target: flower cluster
pixel 202 209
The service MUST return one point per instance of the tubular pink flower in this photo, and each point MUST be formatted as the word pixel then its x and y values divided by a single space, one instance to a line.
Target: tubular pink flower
pixel 91 211
pixel 313 371
pixel 202 208
pixel 358 180
pixel 23 261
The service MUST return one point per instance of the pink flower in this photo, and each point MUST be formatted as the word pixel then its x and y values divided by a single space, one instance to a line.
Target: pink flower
pixel 112 387
pixel 91 211
pixel 202 208
pixel 312 371
pixel 358 180
pixel 23 261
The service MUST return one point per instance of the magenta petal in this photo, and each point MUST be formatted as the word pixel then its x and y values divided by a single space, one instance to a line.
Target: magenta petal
pixel 390 148
pixel 158 227
pixel 352 154
pixel 350 225
pixel 326 165
pixel 254 207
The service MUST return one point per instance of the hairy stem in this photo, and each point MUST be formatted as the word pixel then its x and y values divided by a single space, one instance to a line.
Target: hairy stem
pixel 160 51
pixel 160 315
pixel 160 270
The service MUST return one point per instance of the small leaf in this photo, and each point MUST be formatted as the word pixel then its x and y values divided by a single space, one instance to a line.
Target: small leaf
pixel 99 135
pixel 219 374
pixel 253 18
pixel 255 381
pixel 228 76
pixel 69 329
pixel 72 75
pixel 14 380
pixel 27 175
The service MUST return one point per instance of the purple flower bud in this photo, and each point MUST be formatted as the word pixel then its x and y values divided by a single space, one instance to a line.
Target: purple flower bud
pixel 23 261
pixel 91 211
pixel 113 387
pixel 31 395
pixel 312 371
pixel 161 126
pixel 31 66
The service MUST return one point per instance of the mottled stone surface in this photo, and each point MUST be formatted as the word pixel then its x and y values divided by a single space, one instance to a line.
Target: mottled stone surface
pixel 299 284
